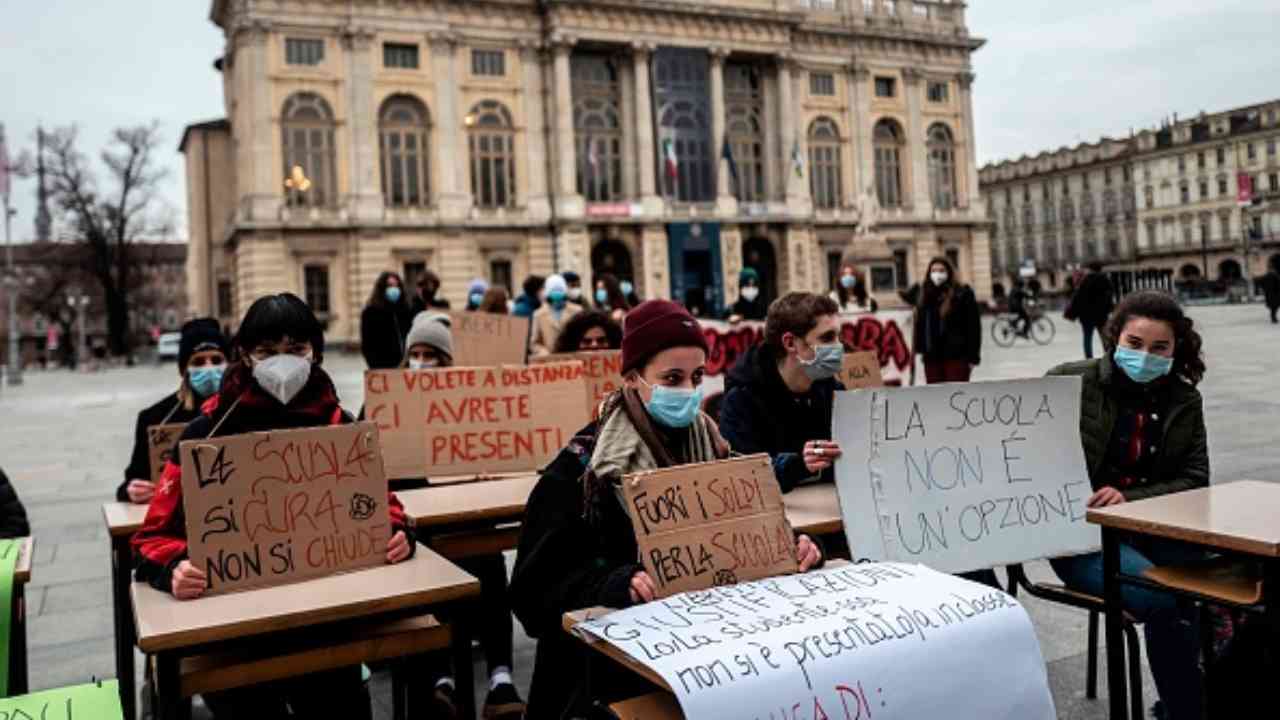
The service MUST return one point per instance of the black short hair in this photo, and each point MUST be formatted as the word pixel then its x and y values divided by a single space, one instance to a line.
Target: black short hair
pixel 272 317
pixel 533 284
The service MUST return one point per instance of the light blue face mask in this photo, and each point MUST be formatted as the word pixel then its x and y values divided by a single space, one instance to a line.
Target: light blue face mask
pixel 826 363
pixel 848 281
pixel 205 381
pixel 674 407
pixel 393 294
pixel 477 298
pixel 627 288
pixel 556 298
pixel 1142 367
pixel 602 296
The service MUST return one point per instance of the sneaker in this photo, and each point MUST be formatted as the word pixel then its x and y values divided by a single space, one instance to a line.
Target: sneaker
pixel 503 703
pixel 444 705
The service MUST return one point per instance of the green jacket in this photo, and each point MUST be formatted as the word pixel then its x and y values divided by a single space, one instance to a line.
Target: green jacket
pixel 1182 456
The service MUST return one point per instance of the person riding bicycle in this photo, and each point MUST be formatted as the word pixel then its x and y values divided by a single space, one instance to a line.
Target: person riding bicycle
pixel 1019 299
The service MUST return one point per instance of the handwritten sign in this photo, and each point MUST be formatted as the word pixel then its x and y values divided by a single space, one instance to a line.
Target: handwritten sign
pixel 94 701
pixel 482 339
pixel 278 507
pixel 603 373
pixel 706 524
pixel 859 642
pixel 860 370
pixel 475 420
pixel 161 440
pixel 962 477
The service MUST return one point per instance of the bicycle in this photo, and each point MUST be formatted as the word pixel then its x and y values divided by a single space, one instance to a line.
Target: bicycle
pixel 1040 329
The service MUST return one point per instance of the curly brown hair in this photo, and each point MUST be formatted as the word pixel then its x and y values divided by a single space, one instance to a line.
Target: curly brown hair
pixel 1188 356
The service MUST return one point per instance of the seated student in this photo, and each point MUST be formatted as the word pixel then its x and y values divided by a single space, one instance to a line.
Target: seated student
pixel 587 331
pixel 202 356
pixel 1142 426
pixel 577 548
pixel 273 383
pixel 778 397
pixel 13 516
pixel 549 319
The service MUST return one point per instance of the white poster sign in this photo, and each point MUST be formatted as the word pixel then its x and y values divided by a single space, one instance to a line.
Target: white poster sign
pixel 883 641
pixel 964 476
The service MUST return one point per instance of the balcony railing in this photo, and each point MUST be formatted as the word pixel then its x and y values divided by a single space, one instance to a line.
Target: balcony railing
pixel 906 12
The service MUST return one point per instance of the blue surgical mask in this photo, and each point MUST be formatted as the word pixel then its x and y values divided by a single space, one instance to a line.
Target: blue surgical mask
pixel 848 281
pixel 826 363
pixel 628 288
pixel 556 298
pixel 477 298
pixel 393 294
pixel 205 381
pixel 674 407
pixel 602 296
pixel 1142 367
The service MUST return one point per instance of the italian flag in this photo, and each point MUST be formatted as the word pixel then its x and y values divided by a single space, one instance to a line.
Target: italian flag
pixel 669 157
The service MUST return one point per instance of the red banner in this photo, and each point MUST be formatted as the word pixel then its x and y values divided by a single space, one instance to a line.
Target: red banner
pixel 1244 188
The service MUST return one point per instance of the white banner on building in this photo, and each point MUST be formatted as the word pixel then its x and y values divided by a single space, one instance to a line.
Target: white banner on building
pixel 883 641
pixel 964 476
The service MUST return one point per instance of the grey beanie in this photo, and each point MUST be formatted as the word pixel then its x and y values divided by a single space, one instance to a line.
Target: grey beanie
pixel 431 328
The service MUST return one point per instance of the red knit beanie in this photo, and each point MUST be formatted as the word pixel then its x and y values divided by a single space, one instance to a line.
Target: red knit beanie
pixel 654 326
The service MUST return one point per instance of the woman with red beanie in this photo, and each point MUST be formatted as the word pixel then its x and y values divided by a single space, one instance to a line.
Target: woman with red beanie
pixel 577 548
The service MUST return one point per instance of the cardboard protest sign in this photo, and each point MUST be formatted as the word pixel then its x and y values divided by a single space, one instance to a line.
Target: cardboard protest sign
pixel 860 370
pixel 92 701
pixel 161 439
pixel 278 507
pixel 708 524
pixel 475 420
pixel 964 476
pixel 482 339
pixel 874 641
pixel 603 373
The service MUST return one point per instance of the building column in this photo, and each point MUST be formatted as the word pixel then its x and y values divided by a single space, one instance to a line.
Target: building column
pixel 860 131
pixel 454 196
pixel 726 204
pixel 537 202
pixel 919 200
pixel 569 202
pixel 573 247
pixel 657 265
pixel 730 260
pixel 792 189
pixel 264 198
pixel 969 196
pixel 363 198
pixel 649 199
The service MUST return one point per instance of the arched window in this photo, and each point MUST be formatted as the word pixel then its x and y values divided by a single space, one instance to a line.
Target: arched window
pixel 597 127
pixel 887 139
pixel 403 150
pixel 824 163
pixel 493 153
pixel 744 126
pixel 942 167
pixel 306 126
pixel 682 105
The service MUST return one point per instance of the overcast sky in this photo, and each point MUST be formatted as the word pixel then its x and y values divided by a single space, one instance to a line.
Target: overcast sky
pixel 1053 72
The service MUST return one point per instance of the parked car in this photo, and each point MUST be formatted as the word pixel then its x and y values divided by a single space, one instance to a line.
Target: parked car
pixel 167 346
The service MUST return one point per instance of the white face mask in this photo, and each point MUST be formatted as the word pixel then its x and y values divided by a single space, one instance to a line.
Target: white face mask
pixel 938 277
pixel 750 293
pixel 575 293
pixel 416 364
pixel 283 375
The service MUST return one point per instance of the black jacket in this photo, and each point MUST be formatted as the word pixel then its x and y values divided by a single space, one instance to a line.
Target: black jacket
pixel 140 461
pixel 956 337
pixel 383 329
pixel 563 563
pixel 13 516
pixel 1093 301
pixel 748 309
pixel 419 305
pixel 761 414
pixel 1270 286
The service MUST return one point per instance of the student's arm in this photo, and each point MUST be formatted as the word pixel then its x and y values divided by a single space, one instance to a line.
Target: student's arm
pixel 161 543
pixel 741 429
pixel 400 522
pixel 13 516
pixel 557 561
pixel 139 462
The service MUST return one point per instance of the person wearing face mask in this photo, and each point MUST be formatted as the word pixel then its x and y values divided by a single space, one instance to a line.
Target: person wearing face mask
pixel 588 331
pixel 850 292
pixel 749 305
pixel 430 342
pixel 475 293
pixel 274 382
pixel 610 298
pixel 549 320
pixel 202 356
pixel 779 396
pixel 948 326
pixel 574 282
pixel 1143 431
pixel 577 548
pixel 384 322
pixel 534 288
pixel 428 295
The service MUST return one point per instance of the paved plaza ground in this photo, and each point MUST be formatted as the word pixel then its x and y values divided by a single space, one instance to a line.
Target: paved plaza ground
pixel 66 439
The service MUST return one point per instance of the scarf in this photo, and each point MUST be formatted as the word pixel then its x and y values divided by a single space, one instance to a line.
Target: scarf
pixel 255 409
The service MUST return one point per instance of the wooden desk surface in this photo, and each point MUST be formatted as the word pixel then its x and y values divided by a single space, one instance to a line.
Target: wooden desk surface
pixel 458 503
pixel 814 509
pixel 165 623
pixel 123 518
pixel 22 567
pixel 1241 516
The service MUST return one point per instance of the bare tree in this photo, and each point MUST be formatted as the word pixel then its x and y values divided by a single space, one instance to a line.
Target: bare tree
pixel 109 220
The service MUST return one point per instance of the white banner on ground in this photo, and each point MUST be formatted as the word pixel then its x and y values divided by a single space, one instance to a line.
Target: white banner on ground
pixel 877 640
pixel 964 476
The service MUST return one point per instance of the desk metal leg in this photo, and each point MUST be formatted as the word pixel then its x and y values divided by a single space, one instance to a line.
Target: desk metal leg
pixel 1117 683
pixel 125 633
pixel 18 641
pixel 463 671
pixel 171 705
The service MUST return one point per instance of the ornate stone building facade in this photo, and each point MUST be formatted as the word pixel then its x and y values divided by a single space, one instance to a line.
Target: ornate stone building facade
pixel 1166 201
pixel 669 142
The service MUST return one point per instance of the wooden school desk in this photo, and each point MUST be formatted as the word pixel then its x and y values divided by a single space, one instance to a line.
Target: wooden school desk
pixel 467 519
pixel 1239 519
pixel 18 617
pixel 814 509
pixel 172 629
pixel 123 520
